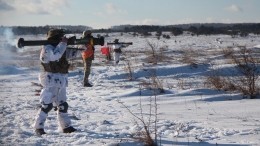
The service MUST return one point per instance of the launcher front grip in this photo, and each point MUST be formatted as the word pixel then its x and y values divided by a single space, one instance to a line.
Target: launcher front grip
pixel 71 41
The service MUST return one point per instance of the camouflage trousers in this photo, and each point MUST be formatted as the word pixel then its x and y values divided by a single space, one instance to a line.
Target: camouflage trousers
pixel 87 68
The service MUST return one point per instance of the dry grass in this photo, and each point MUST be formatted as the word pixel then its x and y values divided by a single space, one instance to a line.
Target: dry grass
pixel 156 54
pixel 247 64
pixel 190 57
pixel 145 134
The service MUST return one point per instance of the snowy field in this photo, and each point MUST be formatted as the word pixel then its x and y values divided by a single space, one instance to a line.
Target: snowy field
pixel 188 112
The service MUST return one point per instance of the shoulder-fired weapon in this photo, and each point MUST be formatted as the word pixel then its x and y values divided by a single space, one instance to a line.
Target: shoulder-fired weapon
pixel 71 41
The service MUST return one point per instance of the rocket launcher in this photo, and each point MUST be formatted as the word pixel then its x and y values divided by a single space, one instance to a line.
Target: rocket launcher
pixel 71 41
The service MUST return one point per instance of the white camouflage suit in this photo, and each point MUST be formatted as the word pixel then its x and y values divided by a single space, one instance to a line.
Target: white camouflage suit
pixel 54 85
pixel 117 54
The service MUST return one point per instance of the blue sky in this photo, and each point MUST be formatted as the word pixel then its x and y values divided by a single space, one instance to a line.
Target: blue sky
pixel 107 13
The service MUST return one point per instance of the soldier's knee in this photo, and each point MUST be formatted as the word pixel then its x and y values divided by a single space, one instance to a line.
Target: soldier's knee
pixel 46 107
pixel 63 107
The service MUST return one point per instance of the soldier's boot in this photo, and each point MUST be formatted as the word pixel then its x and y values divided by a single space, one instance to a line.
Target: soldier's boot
pixel 69 130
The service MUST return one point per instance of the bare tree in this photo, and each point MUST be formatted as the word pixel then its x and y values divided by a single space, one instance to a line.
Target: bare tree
pixel 145 135
pixel 247 66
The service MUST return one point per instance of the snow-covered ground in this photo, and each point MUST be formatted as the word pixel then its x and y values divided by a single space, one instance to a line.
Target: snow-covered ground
pixel 188 112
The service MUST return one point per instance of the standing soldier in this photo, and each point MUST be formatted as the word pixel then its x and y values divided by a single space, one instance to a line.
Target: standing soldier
pixel 117 50
pixel 54 79
pixel 88 57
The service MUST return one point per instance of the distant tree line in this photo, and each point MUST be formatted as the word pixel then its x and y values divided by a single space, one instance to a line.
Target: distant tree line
pixel 34 30
pixel 237 29
pixel 242 29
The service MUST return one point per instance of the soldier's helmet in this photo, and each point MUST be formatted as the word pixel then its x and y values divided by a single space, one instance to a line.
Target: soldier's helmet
pixel 86 33
pixel 55 33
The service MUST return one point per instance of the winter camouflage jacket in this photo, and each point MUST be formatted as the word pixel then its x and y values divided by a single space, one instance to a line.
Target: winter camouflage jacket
pixel 50 56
